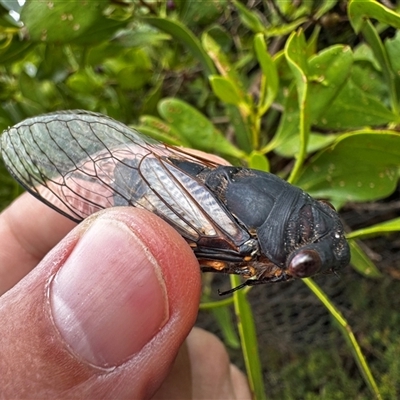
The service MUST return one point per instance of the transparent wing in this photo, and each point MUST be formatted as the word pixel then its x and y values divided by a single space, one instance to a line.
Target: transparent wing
pixel 80 162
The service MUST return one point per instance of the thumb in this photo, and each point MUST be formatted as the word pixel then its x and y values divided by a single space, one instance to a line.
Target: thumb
pixel 104 314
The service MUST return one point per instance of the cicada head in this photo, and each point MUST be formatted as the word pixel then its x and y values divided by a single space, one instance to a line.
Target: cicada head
pixel 324 247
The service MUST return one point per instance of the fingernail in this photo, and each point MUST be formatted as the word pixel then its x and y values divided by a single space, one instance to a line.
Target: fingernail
pixel 109 298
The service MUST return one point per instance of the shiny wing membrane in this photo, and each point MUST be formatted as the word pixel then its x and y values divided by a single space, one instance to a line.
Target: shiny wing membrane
pixel 79 162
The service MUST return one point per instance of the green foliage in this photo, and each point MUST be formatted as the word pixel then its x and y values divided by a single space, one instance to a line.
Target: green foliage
pixel 286 81
pixel 195 128
pixel 327 176
pixel 324 367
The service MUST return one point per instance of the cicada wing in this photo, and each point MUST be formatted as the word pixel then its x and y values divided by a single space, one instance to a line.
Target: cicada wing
pixel 44 152
pixel 79 163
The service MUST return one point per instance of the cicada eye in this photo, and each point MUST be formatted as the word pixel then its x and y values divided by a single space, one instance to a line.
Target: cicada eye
pixel 328 204
pixel 306 263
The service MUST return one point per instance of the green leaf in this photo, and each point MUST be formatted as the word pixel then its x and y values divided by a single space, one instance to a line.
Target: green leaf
pixel 269 78
pixel 85 81
pixel 393 50
pixel 203 12
pixel 196 128
pixel 229 87
pixel 248 339
pixel 226 90
pixel 6 119
pixel 13 49
pixel 239 111
pixel 366 77
pixel 150 101
pixel 363 52
pixel 184 35
pixel 284 29
pixel 64 22
pixel 37 95
pixel 376 230
pixel 133 77
pixel 296 57
pixel 372 36
pixel 361 262
pixel 323 7
pixel 329 71
pixel 158 135
pixel 312 41
pixel 393 55
pixel 102 52
pixel 220 60
pixel 259 161
pixel 349 337
pixel 295 53
pixel 141 37
pixel 353 108
pixel 249 18
pixel 362 166
pixel 223 317
pixel 54 64
pixel 360 10
pixel 220 36
pixel 159 130
pixel 241 127
pixel 288 127
pixel 316 141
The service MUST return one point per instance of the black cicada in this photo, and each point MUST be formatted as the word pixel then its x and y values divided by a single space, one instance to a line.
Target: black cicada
pixel 237 220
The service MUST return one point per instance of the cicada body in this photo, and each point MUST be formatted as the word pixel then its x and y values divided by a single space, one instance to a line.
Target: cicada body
pixel 237 220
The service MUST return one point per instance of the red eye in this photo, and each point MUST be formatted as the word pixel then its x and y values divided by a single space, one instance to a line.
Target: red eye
pixel 306 263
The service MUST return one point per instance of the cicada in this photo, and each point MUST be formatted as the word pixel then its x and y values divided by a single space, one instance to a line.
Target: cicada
pixel 237 220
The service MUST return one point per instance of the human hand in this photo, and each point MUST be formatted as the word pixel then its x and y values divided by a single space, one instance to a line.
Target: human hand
pixel 106 312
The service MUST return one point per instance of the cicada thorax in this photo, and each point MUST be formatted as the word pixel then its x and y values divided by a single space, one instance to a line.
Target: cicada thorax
pixel 296 234
pixel 236 254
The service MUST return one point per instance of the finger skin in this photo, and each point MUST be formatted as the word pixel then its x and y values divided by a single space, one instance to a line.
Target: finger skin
pixel 202 370
pixel 35 360
pixel 28 230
